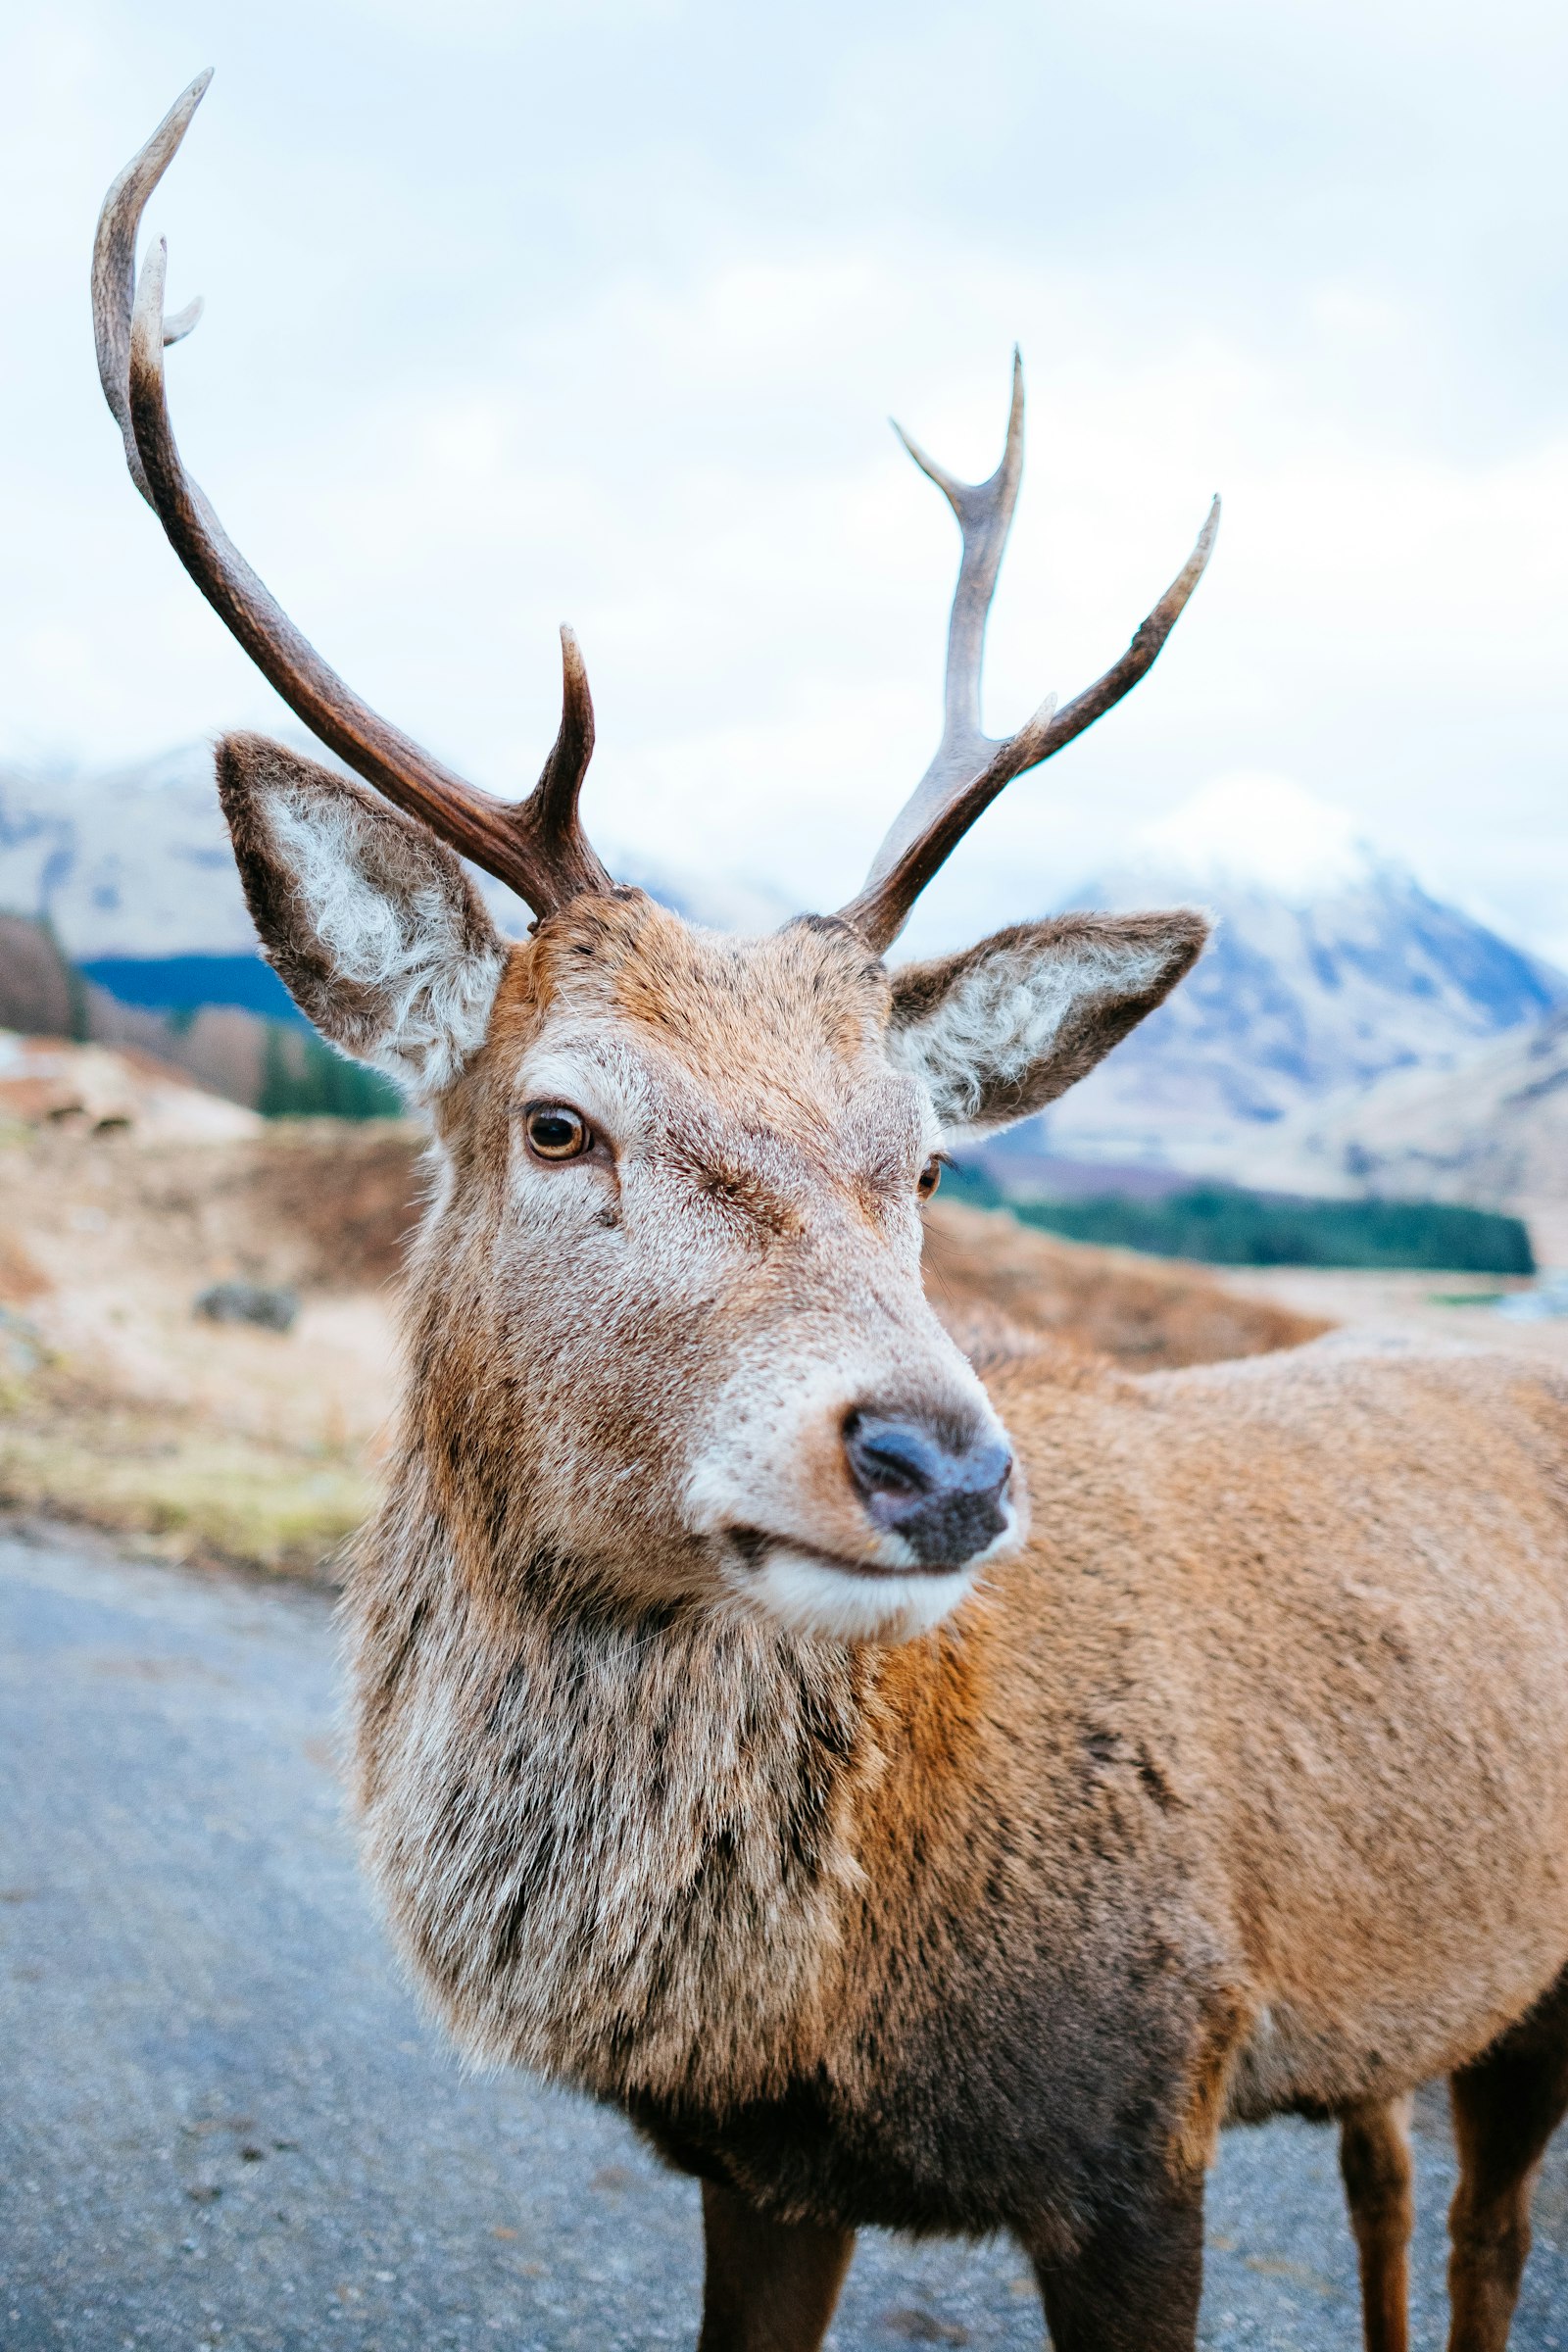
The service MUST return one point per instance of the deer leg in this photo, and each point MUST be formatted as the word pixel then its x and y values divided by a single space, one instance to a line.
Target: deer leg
pixel 1134 2282
pixel 770 2286
pixel 1375 2163
pixel 1506 2109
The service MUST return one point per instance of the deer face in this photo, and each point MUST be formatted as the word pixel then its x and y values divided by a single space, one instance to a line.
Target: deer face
pixel 669 1327
pixel 710 1224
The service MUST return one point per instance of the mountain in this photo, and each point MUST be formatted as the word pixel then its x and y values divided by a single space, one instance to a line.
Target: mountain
pixel 124 862
pixel 1492 1132
pixel 134 863
pixel 1330 969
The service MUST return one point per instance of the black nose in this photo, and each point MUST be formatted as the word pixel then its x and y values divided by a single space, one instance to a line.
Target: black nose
pixel 942 1493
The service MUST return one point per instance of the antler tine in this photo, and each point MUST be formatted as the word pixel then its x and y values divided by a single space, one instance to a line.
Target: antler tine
pixel 536 847
pixel 985 517
pixel 882 908
pixel 114 264
pixel 175 329
pixel 970 768
pixel 556 795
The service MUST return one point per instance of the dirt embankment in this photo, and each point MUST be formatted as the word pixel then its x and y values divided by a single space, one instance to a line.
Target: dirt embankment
pixel 991 1279
pixel 120 1407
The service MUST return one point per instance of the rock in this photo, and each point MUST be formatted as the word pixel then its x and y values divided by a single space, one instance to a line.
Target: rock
pixel 270 1308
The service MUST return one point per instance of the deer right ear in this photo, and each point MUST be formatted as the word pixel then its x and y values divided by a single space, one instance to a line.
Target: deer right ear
pixel 1001 1030
pixel 371 922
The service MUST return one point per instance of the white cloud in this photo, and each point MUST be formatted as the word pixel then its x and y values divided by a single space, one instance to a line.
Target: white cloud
pixel 1256 827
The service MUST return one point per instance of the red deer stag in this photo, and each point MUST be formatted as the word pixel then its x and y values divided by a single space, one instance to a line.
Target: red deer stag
pixel 912 1803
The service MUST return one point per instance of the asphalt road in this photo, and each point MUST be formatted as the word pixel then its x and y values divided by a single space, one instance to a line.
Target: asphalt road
pixel 224 2121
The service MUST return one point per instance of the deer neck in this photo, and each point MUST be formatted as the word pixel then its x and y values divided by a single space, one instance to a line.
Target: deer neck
pixel 616 1850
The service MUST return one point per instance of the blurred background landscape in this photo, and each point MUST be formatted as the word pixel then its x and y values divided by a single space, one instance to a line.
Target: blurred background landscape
pixel 516 315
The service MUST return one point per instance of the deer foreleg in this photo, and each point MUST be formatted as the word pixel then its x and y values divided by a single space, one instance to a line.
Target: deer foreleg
pixel 770 2286
pixel 1375 2163
pixel 1505 2108
pixel 1133 2284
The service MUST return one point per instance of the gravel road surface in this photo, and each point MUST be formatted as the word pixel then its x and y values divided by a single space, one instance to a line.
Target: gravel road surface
pixel 224 2121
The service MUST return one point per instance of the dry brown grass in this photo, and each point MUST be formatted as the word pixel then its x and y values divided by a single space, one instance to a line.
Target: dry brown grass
pixel 122 1410
pixel 185 1492
pixel 989 1278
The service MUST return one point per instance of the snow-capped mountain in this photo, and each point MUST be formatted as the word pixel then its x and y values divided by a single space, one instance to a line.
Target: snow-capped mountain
pixel 135 861
pixel 126 861
pixel 1331 967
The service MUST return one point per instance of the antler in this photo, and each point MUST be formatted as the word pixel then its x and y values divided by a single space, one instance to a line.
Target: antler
pixel 970 767
pixel 535 846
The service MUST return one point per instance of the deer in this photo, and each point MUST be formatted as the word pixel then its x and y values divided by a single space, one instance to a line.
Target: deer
pixel 919 1792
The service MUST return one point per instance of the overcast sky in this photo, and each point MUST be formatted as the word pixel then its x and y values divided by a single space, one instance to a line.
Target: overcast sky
pixel 519 313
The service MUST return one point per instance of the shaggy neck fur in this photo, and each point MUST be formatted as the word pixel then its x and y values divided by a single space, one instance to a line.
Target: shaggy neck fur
pixel 587 1830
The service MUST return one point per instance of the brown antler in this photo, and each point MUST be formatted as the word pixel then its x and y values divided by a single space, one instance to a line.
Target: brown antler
pixel 970 767
pixel 535 846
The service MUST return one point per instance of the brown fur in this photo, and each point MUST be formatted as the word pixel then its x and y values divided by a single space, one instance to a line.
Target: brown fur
pixel 1375 2163
pixel 1239 1788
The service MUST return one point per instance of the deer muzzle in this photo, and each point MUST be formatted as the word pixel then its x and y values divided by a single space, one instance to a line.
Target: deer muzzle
pixel 943 1495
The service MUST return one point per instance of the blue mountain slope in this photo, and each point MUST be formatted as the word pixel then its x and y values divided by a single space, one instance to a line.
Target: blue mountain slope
pixel 1299 997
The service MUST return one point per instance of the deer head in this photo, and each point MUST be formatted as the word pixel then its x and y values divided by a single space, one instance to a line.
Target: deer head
pixel 669 1339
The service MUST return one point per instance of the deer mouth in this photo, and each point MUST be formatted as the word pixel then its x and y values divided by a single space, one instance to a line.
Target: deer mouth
pixel 755 1547
pixel 824 1596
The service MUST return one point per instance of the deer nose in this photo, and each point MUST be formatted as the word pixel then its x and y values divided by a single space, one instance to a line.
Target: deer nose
pixel 946 1498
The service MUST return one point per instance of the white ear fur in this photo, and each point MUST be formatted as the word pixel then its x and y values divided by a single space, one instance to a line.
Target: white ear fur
pixel 371 922
pixel 1003 1029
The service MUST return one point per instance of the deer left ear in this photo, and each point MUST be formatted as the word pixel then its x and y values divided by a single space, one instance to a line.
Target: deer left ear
pixel 1003 1029
pixel 371 922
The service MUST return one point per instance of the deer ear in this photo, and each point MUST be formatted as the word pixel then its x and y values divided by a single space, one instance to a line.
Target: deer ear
pixel 371 922
pixel 1007 1026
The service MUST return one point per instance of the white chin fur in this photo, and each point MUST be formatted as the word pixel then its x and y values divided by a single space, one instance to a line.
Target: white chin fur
pixel 810 1595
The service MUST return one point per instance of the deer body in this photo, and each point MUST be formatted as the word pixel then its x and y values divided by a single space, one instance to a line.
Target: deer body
pixel 1239 1788
pixel 1209 1807
pixel 911 1799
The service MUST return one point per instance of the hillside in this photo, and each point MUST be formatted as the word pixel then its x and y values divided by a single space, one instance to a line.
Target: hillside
pixel 280 1068
pixel 1331 968
pixel 1333 976
pixel 1492 1132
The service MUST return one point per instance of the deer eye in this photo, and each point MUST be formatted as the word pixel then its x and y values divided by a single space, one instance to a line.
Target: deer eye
pixel 930 1176
pixel 556 1132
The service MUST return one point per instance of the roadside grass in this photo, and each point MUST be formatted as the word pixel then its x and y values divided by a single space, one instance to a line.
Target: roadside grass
pixel 189 1492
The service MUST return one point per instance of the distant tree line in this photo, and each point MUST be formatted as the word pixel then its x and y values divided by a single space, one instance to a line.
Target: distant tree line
pixel 303 1079
pixel 1224 1225
pixel 227 1021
